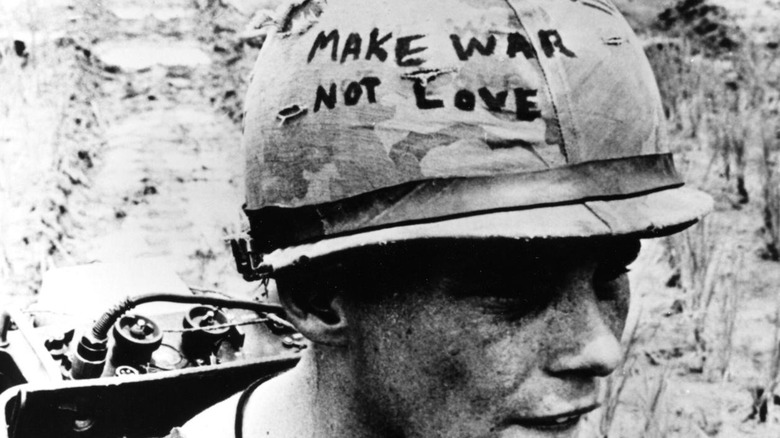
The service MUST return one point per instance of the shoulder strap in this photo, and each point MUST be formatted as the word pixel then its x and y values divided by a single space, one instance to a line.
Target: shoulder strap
pixel 242 402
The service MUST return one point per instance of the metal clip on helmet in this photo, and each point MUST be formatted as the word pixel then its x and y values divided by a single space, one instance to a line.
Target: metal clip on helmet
pixel 377 121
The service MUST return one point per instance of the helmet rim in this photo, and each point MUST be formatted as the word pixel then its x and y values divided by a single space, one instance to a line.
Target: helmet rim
pixel 649 215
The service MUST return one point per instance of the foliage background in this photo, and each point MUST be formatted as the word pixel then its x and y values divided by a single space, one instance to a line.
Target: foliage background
pixel 119 140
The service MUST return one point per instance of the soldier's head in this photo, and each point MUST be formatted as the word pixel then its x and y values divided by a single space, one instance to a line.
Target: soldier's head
pixel 448 193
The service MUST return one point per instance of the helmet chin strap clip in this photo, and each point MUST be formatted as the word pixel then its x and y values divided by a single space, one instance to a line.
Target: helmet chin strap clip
pixel 249 263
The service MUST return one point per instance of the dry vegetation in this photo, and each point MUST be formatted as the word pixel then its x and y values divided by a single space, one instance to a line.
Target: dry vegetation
pixel 703 348
pixel 708 334
pixel 50 131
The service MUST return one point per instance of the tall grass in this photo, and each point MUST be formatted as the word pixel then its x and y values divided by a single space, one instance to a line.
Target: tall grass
pixel 728 302
pixel 653 405
pixel 730 131
pixel 771 189
pixel 617 382
pixel 724 110
pixel 697 254
pixel 717 104
pixel 763 395
pixel 710 276
pixel 682 82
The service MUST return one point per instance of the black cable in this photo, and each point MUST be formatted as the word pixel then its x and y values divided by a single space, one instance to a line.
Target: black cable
pixel 103 325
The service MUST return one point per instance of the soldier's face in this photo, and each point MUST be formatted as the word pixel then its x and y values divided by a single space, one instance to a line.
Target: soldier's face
pixel 494 347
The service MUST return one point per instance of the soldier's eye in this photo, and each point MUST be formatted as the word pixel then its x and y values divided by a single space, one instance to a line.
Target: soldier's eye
pixel 517 307
pixel 606 273
pixel 613 264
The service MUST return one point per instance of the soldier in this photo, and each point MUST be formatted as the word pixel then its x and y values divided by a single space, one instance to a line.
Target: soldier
pixel 448 194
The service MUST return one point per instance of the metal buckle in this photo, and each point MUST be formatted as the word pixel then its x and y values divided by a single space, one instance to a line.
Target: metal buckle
pixel 248 263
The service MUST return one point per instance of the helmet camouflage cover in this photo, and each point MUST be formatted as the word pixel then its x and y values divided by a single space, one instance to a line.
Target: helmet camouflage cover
pixel 374 121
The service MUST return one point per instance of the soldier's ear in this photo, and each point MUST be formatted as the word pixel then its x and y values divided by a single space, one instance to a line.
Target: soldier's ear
pixel 320 317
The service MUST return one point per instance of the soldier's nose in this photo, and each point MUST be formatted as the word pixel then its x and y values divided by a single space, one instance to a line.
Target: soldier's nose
pixel 592 350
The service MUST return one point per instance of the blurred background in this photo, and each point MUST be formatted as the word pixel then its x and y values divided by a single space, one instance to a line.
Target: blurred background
pixel 120 140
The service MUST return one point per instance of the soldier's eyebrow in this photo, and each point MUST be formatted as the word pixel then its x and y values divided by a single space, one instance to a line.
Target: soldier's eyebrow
pixel 623 251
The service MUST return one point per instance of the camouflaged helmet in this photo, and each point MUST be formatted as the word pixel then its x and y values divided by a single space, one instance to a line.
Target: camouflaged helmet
pixel 375 121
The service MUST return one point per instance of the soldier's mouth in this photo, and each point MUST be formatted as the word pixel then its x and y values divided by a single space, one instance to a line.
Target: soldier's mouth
pixel 554 423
